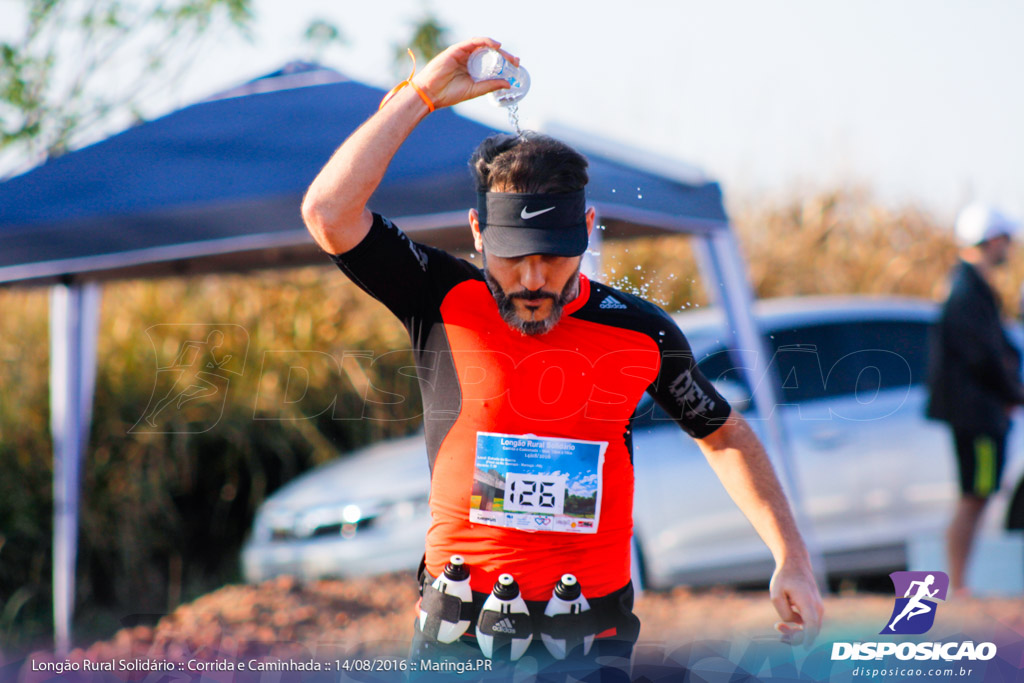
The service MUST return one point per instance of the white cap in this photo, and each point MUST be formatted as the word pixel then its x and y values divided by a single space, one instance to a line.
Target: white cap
pixel 979 223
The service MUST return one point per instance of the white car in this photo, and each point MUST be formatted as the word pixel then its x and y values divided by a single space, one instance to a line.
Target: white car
pixel 873 473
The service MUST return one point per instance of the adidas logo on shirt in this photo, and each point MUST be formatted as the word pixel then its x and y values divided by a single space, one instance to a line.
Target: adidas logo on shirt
pixel 504 626
pixel 611 302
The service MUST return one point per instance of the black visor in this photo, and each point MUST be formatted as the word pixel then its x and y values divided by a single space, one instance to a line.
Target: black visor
pixel 515 224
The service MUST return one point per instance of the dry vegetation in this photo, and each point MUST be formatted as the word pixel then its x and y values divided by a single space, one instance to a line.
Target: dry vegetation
pixel 834 243
pixel 165 510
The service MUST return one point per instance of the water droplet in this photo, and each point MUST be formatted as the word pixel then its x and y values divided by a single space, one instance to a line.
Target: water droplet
pixel 638 268
pixel 661 333
pixel 639 196
pixel 613 190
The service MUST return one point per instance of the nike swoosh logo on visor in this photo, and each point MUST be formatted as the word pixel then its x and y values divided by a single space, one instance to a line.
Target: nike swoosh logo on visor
pixel 527 215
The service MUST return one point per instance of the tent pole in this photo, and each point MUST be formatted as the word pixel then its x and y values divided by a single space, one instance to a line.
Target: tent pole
pixel 725 271
pixel 74 314
pixel 592 258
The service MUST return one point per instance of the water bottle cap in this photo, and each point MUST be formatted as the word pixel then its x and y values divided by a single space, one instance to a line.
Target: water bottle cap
pixel 456 569
pixel 568 588
pixel 506 588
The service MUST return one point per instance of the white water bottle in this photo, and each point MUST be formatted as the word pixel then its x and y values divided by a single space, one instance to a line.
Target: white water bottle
pixel 566 598
pixel 486 64
pixel 454 581
pixel 498 623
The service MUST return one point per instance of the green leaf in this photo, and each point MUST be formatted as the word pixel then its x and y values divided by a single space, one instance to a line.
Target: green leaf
pixel 43 112
pixel 429 38
pixel 323 32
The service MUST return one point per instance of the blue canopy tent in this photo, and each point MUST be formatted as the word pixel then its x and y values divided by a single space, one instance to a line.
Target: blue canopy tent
pixel 216 187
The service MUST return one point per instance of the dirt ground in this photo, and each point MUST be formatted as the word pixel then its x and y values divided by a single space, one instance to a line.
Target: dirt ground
pixel 373 617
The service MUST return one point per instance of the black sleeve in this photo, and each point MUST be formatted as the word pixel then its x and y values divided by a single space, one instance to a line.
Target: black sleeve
pixel 682 390
pixel 409 278
pixel 972 331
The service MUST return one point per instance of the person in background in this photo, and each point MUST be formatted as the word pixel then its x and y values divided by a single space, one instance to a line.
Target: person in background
pixel 974 374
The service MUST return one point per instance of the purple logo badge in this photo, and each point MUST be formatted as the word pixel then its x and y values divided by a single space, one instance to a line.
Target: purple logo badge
pixel 914 612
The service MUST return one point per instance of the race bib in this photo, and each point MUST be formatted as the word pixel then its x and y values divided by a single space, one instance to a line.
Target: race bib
pixel 536 483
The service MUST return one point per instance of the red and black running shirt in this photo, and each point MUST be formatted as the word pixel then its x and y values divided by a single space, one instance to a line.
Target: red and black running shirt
pixel 582 380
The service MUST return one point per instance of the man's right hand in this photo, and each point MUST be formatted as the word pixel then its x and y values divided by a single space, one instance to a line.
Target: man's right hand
pixel 334 208
pixel 446 80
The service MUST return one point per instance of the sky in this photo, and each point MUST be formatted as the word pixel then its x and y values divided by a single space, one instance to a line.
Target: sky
pixel 918 102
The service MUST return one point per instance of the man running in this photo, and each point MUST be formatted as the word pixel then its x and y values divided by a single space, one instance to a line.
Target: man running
pixel 530 374
pixel 191 383
pixel 914 606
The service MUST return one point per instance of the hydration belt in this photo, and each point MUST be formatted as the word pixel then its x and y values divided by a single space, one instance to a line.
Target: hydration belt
pixel 609 615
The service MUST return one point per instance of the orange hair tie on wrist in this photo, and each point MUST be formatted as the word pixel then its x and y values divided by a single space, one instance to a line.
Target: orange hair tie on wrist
pixel 408 81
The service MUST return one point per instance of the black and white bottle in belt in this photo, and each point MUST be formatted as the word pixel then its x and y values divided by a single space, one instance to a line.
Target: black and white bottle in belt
pixel 570 632
pixel 444 615
pixel 503 629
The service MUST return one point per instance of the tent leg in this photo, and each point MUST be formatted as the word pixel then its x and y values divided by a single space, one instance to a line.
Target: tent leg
pixel 592 258
pixel 723 267
pixel 74 315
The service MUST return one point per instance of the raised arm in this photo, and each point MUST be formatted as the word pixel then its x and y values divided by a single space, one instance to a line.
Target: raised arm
pixel 334 208
pixel 738 458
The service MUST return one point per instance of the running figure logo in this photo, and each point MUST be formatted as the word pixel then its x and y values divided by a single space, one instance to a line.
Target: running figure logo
pixel 914 613
pixel 199 370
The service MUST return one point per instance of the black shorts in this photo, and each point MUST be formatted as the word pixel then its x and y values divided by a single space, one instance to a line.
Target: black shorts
pixel 981 456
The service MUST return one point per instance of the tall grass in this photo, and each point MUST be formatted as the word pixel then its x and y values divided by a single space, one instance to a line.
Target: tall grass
pixel 165 509
pixel 840 242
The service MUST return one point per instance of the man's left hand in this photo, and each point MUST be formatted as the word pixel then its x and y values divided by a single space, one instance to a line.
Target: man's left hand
pixel 794 593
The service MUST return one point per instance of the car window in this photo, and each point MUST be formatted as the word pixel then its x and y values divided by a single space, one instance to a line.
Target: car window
pixel 856 358
pixel 813 362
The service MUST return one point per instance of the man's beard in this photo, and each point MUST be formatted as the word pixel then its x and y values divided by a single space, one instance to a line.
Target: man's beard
pixel 507 306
